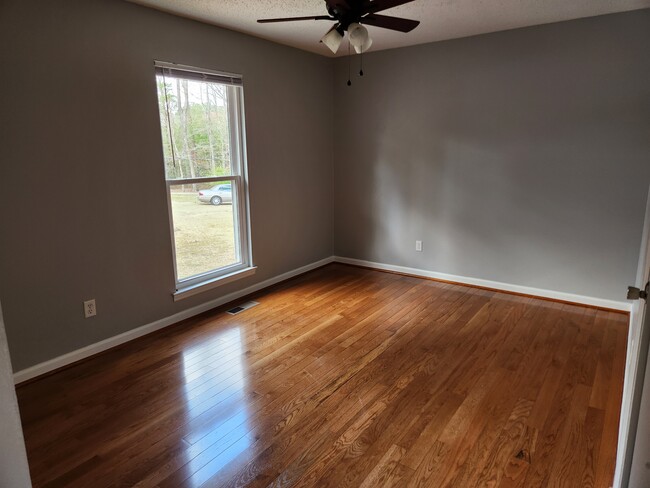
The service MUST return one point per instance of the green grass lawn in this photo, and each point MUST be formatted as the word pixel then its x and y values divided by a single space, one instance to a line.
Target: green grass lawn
pixel 203 233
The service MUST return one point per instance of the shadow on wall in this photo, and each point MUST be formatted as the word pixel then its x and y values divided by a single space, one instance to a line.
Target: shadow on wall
pixel 472 200
pixel 508 167
pixel 518 157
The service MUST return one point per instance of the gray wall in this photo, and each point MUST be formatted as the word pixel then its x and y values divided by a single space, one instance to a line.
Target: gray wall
pixel 521 157
pixel 14 471
pixel 83 206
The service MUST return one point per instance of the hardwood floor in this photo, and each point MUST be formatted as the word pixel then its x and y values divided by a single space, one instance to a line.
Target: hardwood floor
pixel 343 377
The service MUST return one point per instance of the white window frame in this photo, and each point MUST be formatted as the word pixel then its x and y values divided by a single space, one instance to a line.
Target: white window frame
pixel 239 180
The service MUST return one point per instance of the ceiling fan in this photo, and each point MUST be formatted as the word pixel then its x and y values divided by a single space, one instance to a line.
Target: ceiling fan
pixel 349 15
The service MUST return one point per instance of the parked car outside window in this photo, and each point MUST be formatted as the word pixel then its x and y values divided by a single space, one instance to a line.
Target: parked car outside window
pixel 216 195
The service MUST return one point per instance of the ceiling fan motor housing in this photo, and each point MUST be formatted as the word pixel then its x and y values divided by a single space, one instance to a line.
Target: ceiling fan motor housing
pixel 346 12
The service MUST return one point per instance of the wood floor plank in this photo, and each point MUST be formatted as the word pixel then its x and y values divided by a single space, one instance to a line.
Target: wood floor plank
pixel 385 472
pixel 366 352
pixel 343 377
pixel 492 458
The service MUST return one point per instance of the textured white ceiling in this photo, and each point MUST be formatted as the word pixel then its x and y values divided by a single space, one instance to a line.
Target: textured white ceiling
pixel 440 19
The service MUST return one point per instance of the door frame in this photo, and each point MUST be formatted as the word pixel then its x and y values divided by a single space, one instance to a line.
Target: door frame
pixel 633 368
pixel 14 468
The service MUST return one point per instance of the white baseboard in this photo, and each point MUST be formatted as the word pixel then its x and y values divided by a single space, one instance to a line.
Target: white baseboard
pixel 555 295
pixel 73 356
pixel 84 352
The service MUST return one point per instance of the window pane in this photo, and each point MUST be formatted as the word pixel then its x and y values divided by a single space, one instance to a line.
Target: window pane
pixel 202 136
pixel 205 233
pixel 196 131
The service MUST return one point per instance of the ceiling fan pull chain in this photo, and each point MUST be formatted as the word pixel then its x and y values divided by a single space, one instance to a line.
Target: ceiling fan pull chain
pixel 349 66
pixel 361 70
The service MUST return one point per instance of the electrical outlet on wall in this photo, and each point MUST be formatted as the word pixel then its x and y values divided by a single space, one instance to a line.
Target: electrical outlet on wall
pixel 418 246
pixel 90 310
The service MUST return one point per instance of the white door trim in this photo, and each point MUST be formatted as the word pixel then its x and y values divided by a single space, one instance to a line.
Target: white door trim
pixel 632 366
pixel 14 469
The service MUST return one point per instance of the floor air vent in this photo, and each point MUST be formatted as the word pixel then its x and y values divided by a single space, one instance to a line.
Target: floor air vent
pixel 241 308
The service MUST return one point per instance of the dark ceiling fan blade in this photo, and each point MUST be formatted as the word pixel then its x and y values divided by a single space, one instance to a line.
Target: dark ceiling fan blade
pixel 379 5
pixel 291 19
pixel 392 23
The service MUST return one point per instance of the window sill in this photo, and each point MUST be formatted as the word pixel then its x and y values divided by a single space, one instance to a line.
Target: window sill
pixel 192 290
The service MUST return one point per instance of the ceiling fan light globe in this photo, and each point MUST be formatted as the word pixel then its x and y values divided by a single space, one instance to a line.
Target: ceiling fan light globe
pixel 364 48
pixel 358 35
pixel 332 40
pixel 353 27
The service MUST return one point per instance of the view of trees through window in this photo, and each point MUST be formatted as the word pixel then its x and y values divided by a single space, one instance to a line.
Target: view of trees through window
pixel 196 119
pixel 197 113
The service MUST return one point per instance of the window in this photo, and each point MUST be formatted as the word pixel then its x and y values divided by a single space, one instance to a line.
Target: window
pixel 201 121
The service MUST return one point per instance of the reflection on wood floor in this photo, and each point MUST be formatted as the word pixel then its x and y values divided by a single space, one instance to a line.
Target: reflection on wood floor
pixel 343 377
